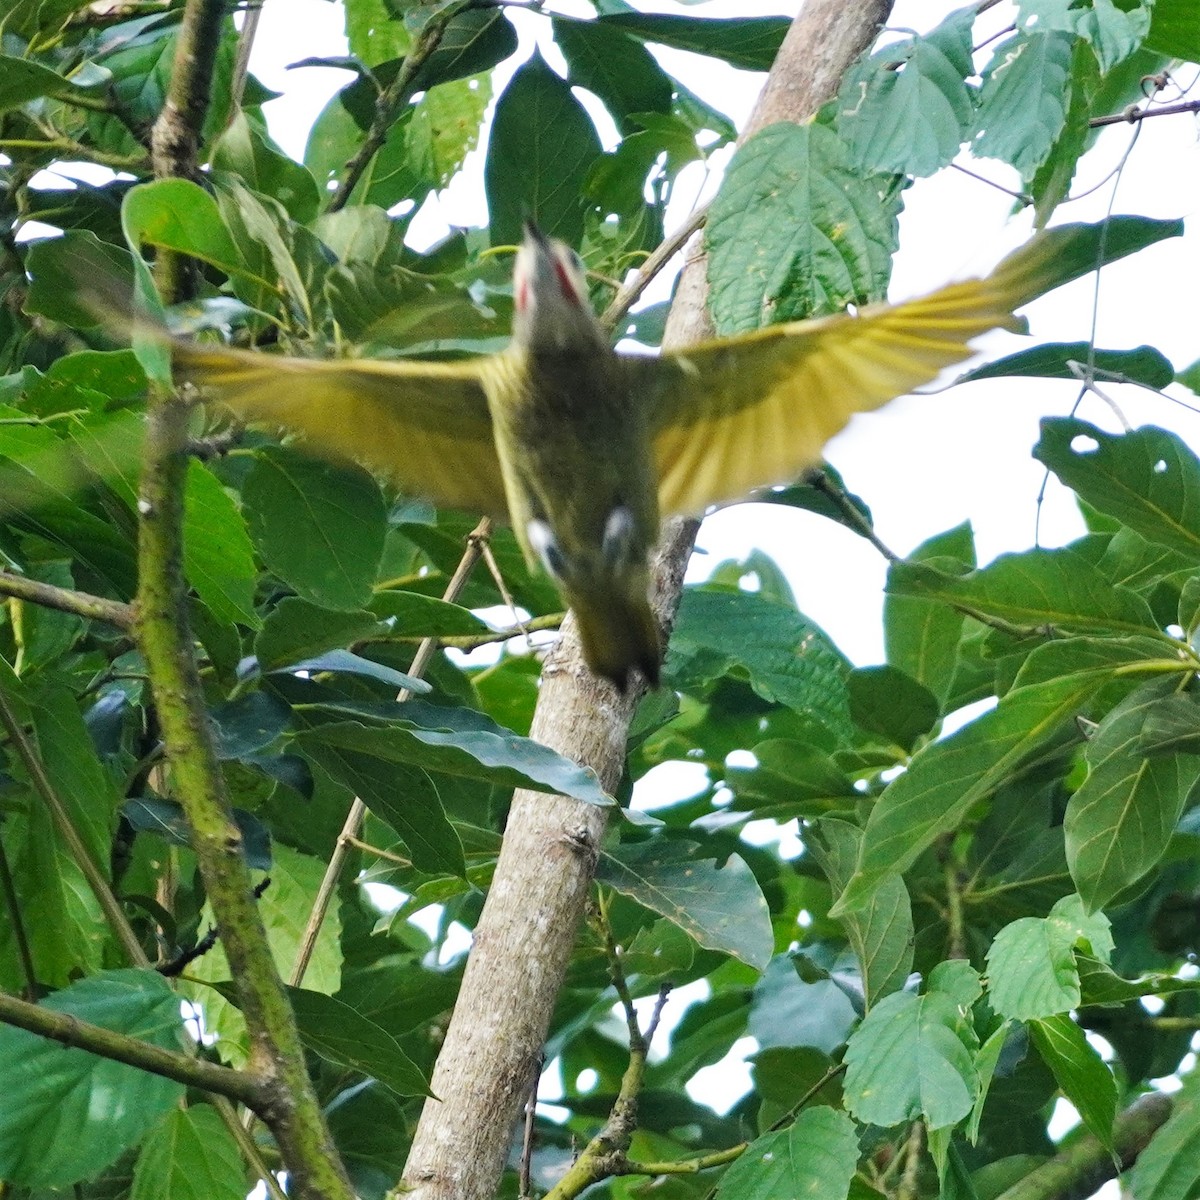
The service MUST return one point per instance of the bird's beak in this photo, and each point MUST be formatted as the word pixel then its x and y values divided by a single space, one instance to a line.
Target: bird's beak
pixel 534 238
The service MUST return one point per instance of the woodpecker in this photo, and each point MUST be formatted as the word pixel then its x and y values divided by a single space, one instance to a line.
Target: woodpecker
pixel 584 449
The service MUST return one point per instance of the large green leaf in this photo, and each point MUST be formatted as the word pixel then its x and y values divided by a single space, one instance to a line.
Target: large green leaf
pixel 1146 478
pixel 189 1155
pixel 1082 1074
pixel 618 68
pixel 816 1155
pixel 319 527
pixel 1057 588
pixel 747 42
pixel 908 111
pixel 1168 1168
pixel 22 80
pixel 922 636
pixel 882 932
pixel 1032 970
pixel 1065 360
pixel 1120 819
pixel 787 658
pixel 946 779
pixel 795 231
pixel 457 741
pixel 1025 99
pixel 402 794
pixel 218 557
pixel 722 908
pixel 66 1114
pixel 345 1037
pixel 1175 30
pixel 542 146
pixel 913 1056
pixel 1114 28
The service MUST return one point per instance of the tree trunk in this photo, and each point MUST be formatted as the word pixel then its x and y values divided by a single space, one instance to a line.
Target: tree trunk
pixel 527 929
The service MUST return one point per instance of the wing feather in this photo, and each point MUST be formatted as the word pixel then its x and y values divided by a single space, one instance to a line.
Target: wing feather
pixel 736 414
pixel 425 424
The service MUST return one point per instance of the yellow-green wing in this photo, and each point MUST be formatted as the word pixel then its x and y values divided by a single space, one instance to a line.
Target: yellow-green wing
pixel 426 424
pixel 735 414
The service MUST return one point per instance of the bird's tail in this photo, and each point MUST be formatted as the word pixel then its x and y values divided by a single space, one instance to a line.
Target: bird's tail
pixel 618 633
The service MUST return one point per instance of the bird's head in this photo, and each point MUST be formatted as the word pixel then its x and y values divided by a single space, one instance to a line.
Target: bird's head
pixel 552 312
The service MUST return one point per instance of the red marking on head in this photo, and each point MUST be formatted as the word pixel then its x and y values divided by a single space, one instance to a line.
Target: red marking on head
pixel 565 282
pixel 522 296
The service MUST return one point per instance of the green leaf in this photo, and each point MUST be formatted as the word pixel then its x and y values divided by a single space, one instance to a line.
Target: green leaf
pixel 1175 32
pixel 1114 28
pixel 747 42
pixel 617 68
pixel 921 636
pixel 297 631
pixel 217 553
pixel 247 154
pixel 884 700
pixel 788 659
pixel 816 1156
pixel 1026 95
pixel 176 214
pixel 1147 478
pixel 1059 588
pixel 947 778
pixel 1031 964
pixel 912 1056
pixel 1084 1077
pixel 66 1114
pixel 882 932
pixel 907 111
pixel 412 615
pixel 1121 818
pixel 343 1036
pixel 343 662
pixel 320 527
pixel 403 795
pixel 721 908
pixel 457 741
pixel 22 80
pixel 284 907
pixel 1168 1168
pixel 795 231
pixel 789 778
pixel 1054 361
pixel 541 148
pixel 74 771
pixel 189 1155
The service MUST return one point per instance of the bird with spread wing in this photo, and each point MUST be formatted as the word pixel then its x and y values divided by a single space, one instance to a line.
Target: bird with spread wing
pixel 584 449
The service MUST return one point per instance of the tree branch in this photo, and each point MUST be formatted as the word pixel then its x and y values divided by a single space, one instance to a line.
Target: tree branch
pixel 1083 1166
pixel 526 932
pixel 392 100
pixel 107 1043
pixel 289 1106
pixel 79 604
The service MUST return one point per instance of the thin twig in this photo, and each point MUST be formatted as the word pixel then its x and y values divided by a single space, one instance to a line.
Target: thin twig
pixel 1133 114
pixel 17 924
pixel 666 250
pixel 40 779
pixel 819 480
pixel 241 64
pixel 527 1136
pixel 392 100
pixel 909 1188
pixel 358 810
